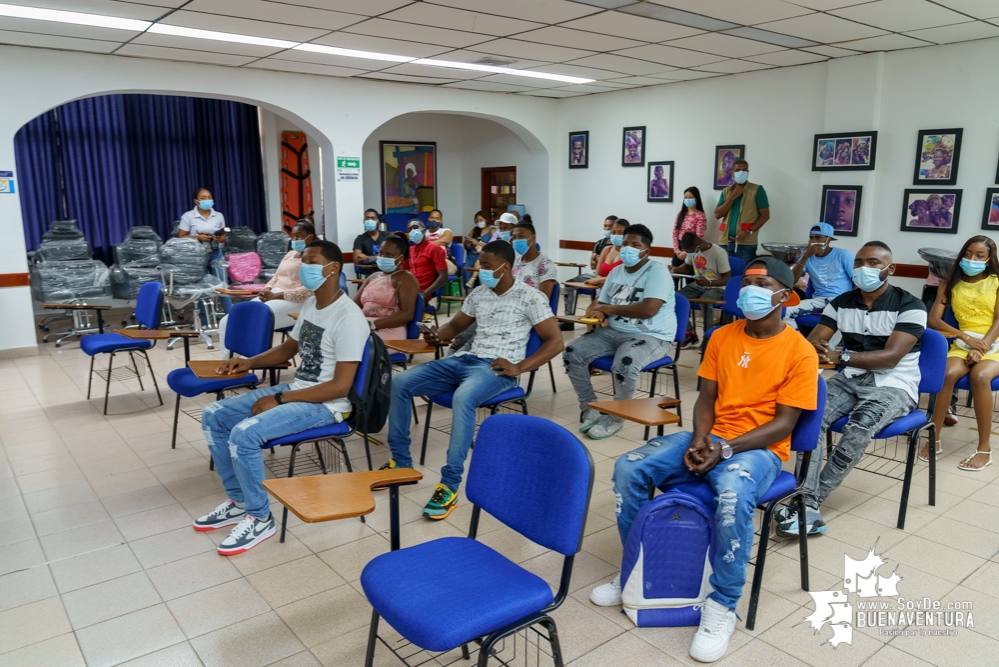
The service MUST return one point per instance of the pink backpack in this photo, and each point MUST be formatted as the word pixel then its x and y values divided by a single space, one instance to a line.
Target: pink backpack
pixel 244 267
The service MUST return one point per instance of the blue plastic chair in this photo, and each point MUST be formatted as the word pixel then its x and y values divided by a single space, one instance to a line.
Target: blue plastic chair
pixel 148 306
pixel 333 433
pixel 412 333
pixel 249 333
pixel 519 462
pixel 932 365
pixel 682 309
pixel 553 304
pixel 737 267
pixel 786 487
pixel 964 383
pixel 730 309
pixel 809 320
pixel 518 395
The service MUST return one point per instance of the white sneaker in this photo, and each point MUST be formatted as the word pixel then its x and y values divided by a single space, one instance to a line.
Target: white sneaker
pixel 711 639
pixel 608 595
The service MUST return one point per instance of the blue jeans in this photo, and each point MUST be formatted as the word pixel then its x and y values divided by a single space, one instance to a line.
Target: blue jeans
pixel 746 253
pixel 472 382
pixel 738 484
pixel 234 437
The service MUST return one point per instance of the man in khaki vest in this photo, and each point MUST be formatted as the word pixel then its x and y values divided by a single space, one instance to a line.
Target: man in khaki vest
pixel 743 209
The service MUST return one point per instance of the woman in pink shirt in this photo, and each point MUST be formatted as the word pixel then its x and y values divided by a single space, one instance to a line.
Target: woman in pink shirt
pixel 691 218
pixel 388 296
pixel 284 293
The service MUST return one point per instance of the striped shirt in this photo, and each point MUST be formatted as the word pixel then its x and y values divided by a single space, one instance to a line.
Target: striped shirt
pixel 868 330
pixel 504 322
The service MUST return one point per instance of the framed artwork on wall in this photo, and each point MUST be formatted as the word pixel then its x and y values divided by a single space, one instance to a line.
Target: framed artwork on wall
pixel 659 182
pixel 409 176
pixel 990 219
pixel 579 149
pixel 937 154
pixel 841 208
pixel 929 210
pixel 633 147
pixel 844 151
pixel 725 157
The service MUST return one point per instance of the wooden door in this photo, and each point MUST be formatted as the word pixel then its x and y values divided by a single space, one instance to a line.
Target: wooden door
pixel 499 190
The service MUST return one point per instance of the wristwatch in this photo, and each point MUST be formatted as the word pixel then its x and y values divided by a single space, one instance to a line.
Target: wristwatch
pixel 844 358
pixel 726 449
pixel 372 325
pixel 279 397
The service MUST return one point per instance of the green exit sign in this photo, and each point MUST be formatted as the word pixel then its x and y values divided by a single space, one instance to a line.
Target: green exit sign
pixel 348 163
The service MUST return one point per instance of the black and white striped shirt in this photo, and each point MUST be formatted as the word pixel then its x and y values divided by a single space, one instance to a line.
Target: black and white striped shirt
pixel 868 330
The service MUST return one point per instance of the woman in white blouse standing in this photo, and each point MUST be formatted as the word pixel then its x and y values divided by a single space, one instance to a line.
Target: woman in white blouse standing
pixel 206 225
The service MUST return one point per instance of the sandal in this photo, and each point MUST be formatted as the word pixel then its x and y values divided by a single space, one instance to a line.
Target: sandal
pixel 926 459
pixel 961 466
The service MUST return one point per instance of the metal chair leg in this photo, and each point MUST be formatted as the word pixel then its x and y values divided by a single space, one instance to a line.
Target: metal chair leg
pixel 135 367
pixel 176 417
pixel 551 374
pixel 107 386
pixel 802 543
pixel 761 556
pixel 156 384
pixel 369 656
pixel 90 378
pixel 933 464
pixel 910 459
pixel 426 432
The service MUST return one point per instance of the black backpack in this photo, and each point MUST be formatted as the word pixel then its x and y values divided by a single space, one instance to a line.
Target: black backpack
pixel 372 407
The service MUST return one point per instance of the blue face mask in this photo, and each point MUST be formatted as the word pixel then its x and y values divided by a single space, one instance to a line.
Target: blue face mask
pixel 867 278
pixel 606 233
pixel 416 236
pixel 298 245
pixel 206 204
pixel 617 239
pixel 489 278
pixel 370 225
pixel 385 264
pixel 630 256
pixel 433 224
pixel 312 276
pixel 520 246
pixel 503 236
pixel 741 177
pixel 755 302
pixel 971 267
pixel 690 203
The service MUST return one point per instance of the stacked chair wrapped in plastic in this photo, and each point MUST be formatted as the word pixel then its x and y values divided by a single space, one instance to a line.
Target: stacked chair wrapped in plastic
pixel 184 266
pixel 244 262
pixel 272 247
pixel 241 239
pixel 136 262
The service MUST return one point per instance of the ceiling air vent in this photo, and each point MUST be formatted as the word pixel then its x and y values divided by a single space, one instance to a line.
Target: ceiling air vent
pixel 493 62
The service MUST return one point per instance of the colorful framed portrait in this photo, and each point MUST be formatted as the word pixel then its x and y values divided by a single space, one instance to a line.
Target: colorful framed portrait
pixel 937 155
pixel 990 219
pixel 579 149
pixel 725 159
pixel 841 208
pixel 409 176
pixel 659 182
pixel 931 210
pixel 844 151
pixel 633 147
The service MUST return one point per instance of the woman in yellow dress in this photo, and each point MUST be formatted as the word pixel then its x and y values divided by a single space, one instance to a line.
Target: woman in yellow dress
pixel 972 292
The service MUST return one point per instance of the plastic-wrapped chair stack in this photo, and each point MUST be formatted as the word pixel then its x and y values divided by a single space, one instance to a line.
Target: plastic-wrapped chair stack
pixel 184 262
pixel 62 268
pixel 272 247
pixel 136 262
pixel 141 243
pixel 240 240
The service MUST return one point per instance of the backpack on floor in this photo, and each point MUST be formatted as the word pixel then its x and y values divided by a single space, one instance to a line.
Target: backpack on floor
pixel 667 561
pixel 372 407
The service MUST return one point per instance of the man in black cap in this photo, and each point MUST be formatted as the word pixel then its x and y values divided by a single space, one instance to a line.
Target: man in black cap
pixel 757 376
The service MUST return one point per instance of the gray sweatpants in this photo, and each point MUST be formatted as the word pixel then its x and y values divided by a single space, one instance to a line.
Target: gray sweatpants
pixel 871 408
pixel 631 353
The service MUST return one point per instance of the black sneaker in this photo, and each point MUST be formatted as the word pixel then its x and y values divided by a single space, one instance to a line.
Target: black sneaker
pixel 786 518
pixel 225 514
pixel 249 533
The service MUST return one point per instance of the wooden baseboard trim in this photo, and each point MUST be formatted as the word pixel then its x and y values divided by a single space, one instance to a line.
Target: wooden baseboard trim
pixel 14 280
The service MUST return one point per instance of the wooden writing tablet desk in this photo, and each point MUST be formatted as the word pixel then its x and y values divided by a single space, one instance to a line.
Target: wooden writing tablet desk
pixel 80 306
pixel 647 411
pixel 162 334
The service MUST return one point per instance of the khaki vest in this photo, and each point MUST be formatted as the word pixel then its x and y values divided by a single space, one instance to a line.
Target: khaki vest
pixel 748 213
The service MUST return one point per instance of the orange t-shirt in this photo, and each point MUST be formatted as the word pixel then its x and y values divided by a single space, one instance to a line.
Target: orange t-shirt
pixel 754 375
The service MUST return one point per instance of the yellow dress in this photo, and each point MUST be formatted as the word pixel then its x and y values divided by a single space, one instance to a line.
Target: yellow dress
pixel 974 306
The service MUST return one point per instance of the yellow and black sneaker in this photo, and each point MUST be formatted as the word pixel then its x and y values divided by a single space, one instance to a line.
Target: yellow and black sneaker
pixel 391 465
pixel 441 503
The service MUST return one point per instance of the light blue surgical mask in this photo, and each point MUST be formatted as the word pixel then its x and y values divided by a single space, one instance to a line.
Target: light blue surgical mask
pixel 298 245
pixel 520 246
pixel 489 278
pixel 971 267
pixel 386 264
pixel 312 276
pixel 206 204
pixel 756 302
pixel 690 203
pixel 416 236
pixel 630 256
pixel 617 239
pixel 606 233
pixel 503 236
pixel 867 278
pixel 741 177
pixel 370 225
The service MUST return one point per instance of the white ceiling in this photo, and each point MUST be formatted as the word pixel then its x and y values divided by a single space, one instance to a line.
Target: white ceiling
pixel 619 43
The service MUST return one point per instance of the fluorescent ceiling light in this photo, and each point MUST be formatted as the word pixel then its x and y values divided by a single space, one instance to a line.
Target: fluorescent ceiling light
pixel 769 37
pixel 678 16
pixel 178 31
pixel 96 20
pixel 449 64
pixel 352 53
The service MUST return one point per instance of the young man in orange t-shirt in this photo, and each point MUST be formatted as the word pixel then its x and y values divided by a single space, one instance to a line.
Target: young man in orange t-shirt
pixel 757 376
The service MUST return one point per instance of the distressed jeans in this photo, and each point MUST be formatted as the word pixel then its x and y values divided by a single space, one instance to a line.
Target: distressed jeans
pixel 234 437
pixel 472 382
pixel 631 352
pixel 871 408
pixel 738 484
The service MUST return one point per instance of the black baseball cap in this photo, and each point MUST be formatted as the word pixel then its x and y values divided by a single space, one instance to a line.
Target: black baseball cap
pixel 778 270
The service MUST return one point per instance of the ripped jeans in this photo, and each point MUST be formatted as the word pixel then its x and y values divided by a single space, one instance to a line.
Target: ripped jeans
pixel 871 408
pixel 234 437
pixel 738 483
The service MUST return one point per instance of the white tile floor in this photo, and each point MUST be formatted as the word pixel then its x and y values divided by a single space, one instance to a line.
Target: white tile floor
pixel 99 564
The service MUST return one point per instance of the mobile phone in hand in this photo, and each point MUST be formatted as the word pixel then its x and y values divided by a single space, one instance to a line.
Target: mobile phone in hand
pixel 425 329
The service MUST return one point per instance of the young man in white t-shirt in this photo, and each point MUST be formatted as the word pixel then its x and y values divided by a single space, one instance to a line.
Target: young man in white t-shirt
pixel 330 335
pixel 532 267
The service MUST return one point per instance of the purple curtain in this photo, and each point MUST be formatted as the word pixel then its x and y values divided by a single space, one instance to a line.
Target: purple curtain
pixel 116 161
